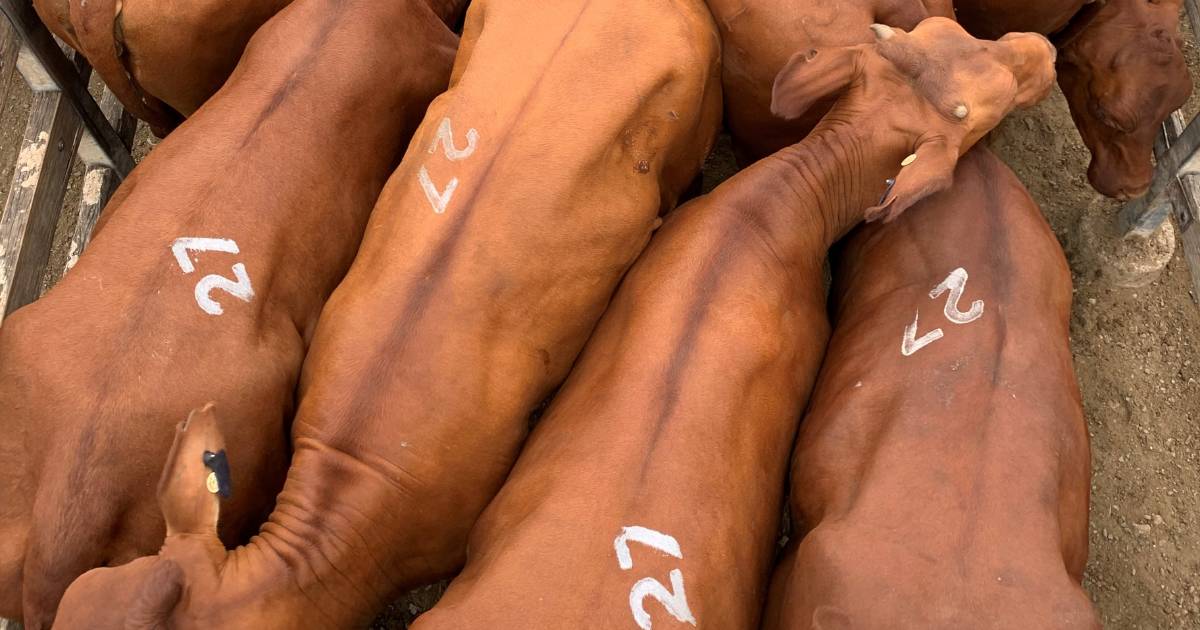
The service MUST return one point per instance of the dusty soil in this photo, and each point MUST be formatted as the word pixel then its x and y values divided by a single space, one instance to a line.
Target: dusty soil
pixel 1135 354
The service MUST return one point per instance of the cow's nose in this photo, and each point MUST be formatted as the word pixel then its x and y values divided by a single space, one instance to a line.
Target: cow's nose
pixel 1131 191
pixel 1118 182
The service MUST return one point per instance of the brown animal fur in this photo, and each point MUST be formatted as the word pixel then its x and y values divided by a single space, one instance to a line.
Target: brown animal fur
pixel 680 415
pixel 165 58
pixel 949 488
pixel 1121 67
pixel 759 37
pixel 590 118
pixel 287 161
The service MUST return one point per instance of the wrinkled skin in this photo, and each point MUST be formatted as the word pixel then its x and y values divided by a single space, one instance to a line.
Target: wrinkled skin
pixel 1123 75
pixel 94 375
pixel 569 127
pixel 680 414
pixel 948 488
pixel 165 58
pixel 759 37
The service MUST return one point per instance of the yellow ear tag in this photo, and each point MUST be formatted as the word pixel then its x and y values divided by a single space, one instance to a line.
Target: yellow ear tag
pixel 211 483
pixel 909 160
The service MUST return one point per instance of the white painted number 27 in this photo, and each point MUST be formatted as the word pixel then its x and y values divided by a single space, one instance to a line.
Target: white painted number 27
pixel 440 199
pixel 956 284
pixel 673 599
pixel 239 287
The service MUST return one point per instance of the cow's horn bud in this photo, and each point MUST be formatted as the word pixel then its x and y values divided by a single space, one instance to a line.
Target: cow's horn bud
pixel 961 112
pixel 883 32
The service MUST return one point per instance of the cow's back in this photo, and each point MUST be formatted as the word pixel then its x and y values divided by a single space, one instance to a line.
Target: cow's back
pixel 535 180
pixel 531 186
pixel 949 468
pixel 95 375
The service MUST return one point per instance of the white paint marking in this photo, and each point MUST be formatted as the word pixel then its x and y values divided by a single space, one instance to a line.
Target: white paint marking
pixel 910 344
pixel 956 283
pixel 445 137
pixel 30 160
pixel 72 256
pixel 181 246
pixel 240 289
pixel 674 600
pixel 93 183
pixel 650 538
pixel 439 200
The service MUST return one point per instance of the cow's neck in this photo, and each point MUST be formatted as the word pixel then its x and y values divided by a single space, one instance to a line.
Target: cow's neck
pixel 812 193
pixel 312 559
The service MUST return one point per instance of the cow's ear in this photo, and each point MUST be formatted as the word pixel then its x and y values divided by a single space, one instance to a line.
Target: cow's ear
pixel 811 76
pixel 190 484
pixel 1024 54
pixel 930 171
pixel 160 593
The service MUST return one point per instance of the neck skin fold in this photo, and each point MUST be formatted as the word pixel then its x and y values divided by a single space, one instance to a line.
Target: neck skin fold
pixel 811 194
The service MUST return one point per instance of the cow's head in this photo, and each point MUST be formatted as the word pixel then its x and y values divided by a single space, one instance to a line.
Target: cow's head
pixel 1123 72
pixel 934 91
pixel 144 593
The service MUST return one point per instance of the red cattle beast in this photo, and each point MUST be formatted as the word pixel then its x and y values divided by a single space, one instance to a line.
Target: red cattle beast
pixel 941 475
pixel 203 283
pixel 529 190
pixel 1121 67
pixel 650 494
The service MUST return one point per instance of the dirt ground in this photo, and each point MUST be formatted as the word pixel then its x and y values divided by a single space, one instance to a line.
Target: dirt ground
pixel 1136 356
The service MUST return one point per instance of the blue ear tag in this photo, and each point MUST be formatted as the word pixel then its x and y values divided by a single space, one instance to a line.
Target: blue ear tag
pixel 219 465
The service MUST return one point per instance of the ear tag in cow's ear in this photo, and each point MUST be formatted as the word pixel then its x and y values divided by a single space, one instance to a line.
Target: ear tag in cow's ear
pixel 891 183
pixel 219 481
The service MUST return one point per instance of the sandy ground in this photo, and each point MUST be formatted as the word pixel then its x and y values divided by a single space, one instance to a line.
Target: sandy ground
pixel 1135 354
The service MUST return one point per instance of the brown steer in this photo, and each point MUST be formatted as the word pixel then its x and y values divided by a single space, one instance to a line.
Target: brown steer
pixel 1121 67
pixel 530 188
pixel 203 283
pixel 650 494
pixel 759 37
pixel 941 475
pixel 1123 73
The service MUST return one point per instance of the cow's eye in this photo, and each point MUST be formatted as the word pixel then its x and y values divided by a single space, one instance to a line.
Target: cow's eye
pixel 1106 118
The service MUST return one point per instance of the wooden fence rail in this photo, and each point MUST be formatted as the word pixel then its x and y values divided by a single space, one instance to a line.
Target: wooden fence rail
pixel 64 123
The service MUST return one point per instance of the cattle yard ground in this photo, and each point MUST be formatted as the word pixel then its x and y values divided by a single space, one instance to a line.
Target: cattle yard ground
pixel 1137 356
